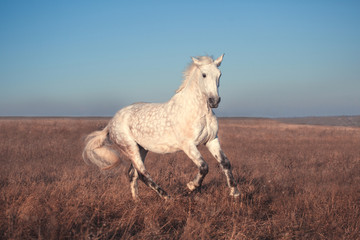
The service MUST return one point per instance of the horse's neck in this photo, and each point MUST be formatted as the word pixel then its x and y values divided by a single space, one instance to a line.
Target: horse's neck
pixel 190 101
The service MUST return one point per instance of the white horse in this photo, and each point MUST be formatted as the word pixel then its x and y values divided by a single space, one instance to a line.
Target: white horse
pixel 182 123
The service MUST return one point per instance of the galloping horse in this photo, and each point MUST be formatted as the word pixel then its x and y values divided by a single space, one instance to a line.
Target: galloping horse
pixel 182 123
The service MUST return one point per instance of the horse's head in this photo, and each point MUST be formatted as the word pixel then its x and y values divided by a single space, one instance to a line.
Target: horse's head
pixel 209 78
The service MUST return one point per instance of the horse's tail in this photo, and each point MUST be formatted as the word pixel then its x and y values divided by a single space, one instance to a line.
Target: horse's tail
pixel 98 150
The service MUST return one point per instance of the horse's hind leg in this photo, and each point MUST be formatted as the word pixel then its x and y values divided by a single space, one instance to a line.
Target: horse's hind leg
pixel 137 155
pixel 214 148
pixel 134 176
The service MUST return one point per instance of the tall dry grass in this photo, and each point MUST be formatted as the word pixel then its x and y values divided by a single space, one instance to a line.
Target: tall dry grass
pixel 297 182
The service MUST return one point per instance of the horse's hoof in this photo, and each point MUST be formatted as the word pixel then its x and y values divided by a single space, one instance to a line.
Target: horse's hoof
pixel 234 192
pixel 136 198
pixel 191 186
pixel 167 198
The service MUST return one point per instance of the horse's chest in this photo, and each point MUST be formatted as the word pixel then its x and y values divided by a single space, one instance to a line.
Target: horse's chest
pixel 204 131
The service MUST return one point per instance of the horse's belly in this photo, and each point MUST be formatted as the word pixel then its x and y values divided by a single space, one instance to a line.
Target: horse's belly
pixel 157 138
pixel 164 144
pixel 161 148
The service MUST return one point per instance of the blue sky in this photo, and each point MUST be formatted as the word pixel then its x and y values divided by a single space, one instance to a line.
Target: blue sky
pixel 91 58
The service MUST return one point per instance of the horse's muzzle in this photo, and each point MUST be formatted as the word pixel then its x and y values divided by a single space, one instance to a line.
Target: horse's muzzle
pixel 214 102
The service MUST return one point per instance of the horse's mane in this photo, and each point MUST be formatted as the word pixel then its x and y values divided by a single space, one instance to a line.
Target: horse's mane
pixel 192 66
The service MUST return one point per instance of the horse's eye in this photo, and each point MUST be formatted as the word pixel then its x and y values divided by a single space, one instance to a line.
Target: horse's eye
pixel 204 75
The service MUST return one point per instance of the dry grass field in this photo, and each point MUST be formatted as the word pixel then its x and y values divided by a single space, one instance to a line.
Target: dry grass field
pixel 297 182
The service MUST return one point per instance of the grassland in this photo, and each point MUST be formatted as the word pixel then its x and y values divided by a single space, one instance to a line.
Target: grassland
pixel 297 182
pixel 350 121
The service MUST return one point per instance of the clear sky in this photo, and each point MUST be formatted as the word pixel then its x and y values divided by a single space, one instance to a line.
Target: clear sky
pixel 91 58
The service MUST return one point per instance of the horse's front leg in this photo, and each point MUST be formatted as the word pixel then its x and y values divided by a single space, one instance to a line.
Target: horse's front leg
pixel 193 153
pixel 215 149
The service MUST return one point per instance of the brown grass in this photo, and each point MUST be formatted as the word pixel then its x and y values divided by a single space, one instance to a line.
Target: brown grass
pixel 297 182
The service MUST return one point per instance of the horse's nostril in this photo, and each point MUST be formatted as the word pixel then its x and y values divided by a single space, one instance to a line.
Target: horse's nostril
pixel 214 101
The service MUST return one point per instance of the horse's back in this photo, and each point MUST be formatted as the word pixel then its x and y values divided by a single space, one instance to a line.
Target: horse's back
pixel 148 124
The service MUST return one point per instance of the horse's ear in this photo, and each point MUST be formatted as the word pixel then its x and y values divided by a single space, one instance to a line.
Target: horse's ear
pixel 219 60
pixel 196 61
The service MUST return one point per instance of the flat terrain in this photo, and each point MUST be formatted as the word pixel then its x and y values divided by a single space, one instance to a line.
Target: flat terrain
pixel 297 182
pixel 349 121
